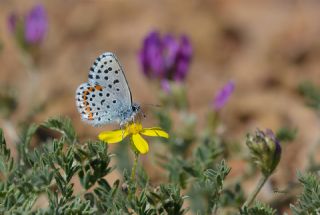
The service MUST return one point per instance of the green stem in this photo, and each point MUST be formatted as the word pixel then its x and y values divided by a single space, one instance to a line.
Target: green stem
pixel 132 186
pixel 134 167
pixel 255 192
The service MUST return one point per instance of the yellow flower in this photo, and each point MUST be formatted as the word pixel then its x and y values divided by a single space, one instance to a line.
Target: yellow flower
pixel 134 131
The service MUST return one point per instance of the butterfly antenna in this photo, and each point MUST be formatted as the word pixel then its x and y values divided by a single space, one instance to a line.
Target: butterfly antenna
pixel 142 114
pixel 152 105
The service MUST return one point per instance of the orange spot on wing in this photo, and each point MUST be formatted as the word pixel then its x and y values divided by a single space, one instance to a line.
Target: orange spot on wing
pixel 98 87
pixel 87 109
pixel 90 89
pixel 90 116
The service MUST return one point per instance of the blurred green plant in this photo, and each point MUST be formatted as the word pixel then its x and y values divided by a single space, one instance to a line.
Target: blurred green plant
pixel 207 188
pixel 41 180
pixel 286 134
pixel 51 169
pixel 8 101
pixel 258 208
pixel 311 94
pixel 309 201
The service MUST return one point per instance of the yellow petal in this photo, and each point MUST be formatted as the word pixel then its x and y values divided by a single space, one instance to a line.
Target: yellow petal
pixel 112 136
pixel 154 132
pixel 140 143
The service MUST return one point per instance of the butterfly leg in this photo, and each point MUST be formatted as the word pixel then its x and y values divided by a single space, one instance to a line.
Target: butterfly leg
pixel 122 128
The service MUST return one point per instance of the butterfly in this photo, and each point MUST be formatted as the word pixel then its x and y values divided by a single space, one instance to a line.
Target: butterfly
pixel 106 97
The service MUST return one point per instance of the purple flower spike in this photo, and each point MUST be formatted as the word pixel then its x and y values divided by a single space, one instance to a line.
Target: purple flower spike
pixel 223 95
pixel 165 58
pixel 183 59
pixel 12 22
pixel 165 85
pixel 36 25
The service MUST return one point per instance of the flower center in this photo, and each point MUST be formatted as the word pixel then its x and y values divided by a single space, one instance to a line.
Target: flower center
pixel 134 128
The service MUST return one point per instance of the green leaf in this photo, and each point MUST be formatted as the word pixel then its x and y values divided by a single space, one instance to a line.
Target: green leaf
pixel 311 94
pixel 309 200
pixel 6 161
pixel 27 134
pixel 206 190
pixel 258 208
pixel 286 134
pixel 64 126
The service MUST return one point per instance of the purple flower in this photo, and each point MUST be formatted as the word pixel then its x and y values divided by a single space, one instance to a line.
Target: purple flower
pixel 32 28
pixel 165 58
pixel 223 95
pixel 36 24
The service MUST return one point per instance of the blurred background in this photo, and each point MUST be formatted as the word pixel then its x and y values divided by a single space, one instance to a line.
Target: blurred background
pixel 267 48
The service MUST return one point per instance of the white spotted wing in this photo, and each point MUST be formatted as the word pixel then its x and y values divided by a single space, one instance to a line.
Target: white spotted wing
pixel 106 97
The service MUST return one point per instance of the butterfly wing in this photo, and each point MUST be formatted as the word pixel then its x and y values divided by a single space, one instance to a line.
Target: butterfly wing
pixel 107 71
pixel 106 96
pixel 93 103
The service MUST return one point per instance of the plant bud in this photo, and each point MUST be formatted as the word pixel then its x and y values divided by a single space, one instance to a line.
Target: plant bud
pixel 265 150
